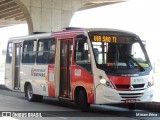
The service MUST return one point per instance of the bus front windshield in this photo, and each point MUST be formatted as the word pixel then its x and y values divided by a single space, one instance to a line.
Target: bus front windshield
pixel 119 53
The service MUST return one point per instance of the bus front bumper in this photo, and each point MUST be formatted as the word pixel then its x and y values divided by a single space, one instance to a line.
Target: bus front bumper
pixel 105 95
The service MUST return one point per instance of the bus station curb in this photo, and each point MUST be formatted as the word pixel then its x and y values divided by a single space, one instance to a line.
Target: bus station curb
pixel 150 106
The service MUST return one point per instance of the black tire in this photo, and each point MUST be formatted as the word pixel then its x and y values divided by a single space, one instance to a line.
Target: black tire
pixel 83 103
pixel 32 97
pixel 76 100
pixel 132 106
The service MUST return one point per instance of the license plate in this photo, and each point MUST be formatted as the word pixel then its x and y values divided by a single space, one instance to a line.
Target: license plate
pixel 131 101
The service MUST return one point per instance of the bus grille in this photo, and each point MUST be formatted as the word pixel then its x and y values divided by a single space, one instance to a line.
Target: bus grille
pixel 130 95
pixel 127 86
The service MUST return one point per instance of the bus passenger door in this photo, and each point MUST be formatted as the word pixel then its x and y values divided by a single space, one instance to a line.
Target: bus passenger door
pixel 17 59
pixel 65 63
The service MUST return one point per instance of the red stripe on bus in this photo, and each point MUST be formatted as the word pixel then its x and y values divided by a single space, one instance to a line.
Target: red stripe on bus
pixel 120 83
pixel 120 80
pixel 51 89
pixel 51 83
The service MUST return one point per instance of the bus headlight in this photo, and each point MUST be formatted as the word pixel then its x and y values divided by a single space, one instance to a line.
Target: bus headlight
pixel 150 81
pixel 103 81
pixel 106 82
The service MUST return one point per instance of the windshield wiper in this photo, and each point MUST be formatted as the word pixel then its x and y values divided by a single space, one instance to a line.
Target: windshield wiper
pixel 140 67
pixel 117 58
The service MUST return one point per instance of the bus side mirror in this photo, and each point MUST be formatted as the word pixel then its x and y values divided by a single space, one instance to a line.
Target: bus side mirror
pixel 144 43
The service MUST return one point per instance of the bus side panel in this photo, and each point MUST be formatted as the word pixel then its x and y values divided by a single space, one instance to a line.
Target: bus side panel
pixel 81 77
pixel 8 76
pixel 51 89
pixel 51 83
pixel 37 76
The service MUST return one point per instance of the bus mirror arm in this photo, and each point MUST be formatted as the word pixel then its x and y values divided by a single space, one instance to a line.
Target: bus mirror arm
pixel 144 43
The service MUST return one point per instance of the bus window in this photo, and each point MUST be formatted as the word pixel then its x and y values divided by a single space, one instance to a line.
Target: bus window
pixel 100 52
pixel 29 51
pixel 138 55
pixel 118 52
pixel 82 54
pixel 46 51
pixel 9 53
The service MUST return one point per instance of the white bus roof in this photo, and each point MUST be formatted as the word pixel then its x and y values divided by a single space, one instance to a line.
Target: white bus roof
pixel 30 37
pixel 67 30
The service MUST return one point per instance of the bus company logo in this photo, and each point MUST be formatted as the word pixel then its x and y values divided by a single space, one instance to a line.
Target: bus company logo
pixel 131 87
pixel 38 72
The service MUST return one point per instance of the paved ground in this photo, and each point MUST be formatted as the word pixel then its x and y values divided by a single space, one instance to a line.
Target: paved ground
pixel 16 104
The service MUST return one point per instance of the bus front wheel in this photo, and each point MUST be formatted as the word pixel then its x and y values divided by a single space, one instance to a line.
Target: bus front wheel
pixel 83 103
pixel 32 97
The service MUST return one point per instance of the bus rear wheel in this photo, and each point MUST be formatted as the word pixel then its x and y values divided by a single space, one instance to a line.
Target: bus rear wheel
pixel 83 103
pixel 32 97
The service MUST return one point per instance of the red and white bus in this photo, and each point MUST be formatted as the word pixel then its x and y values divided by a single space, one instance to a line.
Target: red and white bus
pixel 87 66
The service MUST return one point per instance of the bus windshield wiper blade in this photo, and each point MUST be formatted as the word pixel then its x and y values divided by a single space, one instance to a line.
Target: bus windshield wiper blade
pixel 116 58
pixel 140 67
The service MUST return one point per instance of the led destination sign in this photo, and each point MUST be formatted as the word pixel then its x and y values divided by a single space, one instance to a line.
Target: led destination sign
pixel 101 37
pixel 98 38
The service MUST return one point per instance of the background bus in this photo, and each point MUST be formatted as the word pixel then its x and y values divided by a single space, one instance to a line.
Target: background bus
pixel 87 66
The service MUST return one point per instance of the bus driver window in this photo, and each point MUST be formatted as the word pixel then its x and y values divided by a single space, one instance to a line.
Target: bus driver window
pixel 82 54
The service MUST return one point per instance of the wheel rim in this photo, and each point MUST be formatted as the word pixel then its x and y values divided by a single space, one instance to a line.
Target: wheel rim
pixel 30 92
